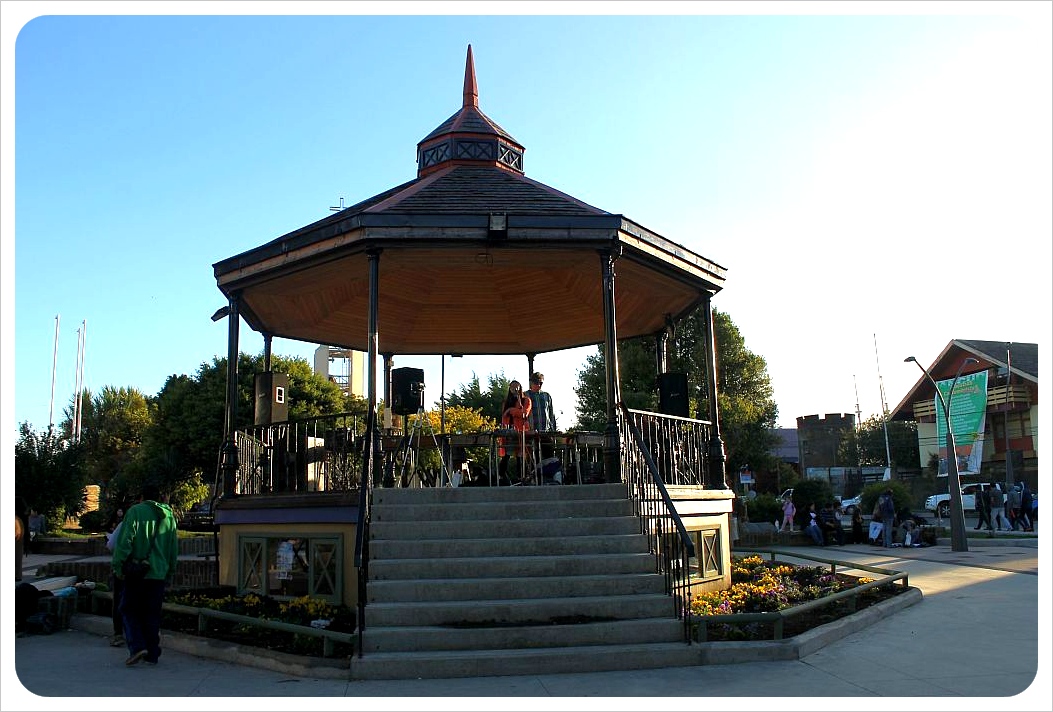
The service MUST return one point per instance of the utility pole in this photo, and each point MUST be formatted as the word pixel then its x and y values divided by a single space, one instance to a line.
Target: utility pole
pixel 1008 380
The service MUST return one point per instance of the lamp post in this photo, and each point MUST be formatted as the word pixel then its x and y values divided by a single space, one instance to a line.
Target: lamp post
pixel 959 541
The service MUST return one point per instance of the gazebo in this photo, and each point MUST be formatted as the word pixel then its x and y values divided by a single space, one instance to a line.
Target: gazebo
pixel 473 257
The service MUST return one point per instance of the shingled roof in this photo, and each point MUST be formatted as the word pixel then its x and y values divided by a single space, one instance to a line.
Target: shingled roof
pixel 1022 361
pixel 474 258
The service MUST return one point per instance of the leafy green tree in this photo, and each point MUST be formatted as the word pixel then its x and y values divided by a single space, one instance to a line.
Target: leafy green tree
pixel 187 434
pixel 866 445
pixel 112 426
pixel 487 403
pixel 745 396
pixel 49 473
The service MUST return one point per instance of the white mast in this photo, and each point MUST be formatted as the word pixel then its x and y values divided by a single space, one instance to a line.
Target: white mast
pixel 54 365
pixel 884 411
pixel 78 409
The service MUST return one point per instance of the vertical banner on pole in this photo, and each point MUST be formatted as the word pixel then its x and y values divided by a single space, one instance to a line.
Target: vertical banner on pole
pixel 968 418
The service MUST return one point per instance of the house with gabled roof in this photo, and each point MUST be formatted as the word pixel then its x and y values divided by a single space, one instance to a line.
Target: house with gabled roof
pixel 1008 432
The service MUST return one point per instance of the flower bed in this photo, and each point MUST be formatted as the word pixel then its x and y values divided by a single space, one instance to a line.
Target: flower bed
pixel 303 611
pixel 759 586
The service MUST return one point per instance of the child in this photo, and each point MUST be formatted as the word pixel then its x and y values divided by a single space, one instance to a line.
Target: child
pixel 788 512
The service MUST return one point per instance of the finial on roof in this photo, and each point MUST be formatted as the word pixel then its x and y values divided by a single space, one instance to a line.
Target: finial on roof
pixel 471 90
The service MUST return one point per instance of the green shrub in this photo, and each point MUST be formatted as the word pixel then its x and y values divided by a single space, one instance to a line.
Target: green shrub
pixel 809 491
pixel 764 508
pixel 900 495
pixel 94 521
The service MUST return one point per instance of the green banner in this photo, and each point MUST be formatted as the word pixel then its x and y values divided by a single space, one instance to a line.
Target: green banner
pixel 968 406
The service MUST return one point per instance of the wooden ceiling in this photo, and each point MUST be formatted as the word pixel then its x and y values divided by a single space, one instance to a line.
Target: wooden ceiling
pixel 470 298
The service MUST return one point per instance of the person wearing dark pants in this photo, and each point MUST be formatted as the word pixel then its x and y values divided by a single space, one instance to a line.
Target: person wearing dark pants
pixel 141 609
pixel 830 524
pixel 145 558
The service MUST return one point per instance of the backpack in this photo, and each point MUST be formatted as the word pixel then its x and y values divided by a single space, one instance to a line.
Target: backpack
pixel 876 514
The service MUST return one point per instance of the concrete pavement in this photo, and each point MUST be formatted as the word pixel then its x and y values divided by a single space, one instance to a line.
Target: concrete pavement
pixel 978 632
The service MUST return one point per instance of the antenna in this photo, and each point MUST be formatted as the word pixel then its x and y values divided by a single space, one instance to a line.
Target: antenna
pixel 859 413
pixel 884 406
pixel 338 208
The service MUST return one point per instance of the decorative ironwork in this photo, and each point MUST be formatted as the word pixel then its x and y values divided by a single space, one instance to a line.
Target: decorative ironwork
pixel 435 154
pixel 511 157
pixel 474 150
pixel 320 454
pixel 678 446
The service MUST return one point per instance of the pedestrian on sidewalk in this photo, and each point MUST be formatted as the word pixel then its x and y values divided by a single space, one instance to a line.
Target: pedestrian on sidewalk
pixel 145 557
pixel 998 520
pixel 1027 502
pixel 36 523
pixel 1012 506
pixel 982 505
pixel 116 585
pixel 887 505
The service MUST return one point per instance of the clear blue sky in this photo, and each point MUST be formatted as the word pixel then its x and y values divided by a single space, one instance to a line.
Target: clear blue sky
pixel 885 175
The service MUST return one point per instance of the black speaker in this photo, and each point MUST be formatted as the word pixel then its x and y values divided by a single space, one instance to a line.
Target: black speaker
pixel 672 394
pixel 407 390
pixel 272 398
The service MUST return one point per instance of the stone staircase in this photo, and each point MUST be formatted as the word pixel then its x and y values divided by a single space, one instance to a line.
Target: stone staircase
pixel 477 581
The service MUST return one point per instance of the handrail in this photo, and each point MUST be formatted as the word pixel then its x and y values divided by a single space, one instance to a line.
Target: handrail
pixel 672 553
pixel 362 526
pixel 329 637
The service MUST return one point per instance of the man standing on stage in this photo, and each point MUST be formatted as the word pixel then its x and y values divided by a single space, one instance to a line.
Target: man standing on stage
pixel 542 416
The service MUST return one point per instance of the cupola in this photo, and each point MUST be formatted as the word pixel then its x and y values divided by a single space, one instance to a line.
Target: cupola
pixel 469 137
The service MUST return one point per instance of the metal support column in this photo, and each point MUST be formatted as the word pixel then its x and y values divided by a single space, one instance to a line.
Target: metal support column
pixel 611 441
pixel 716 476
pixel 229 453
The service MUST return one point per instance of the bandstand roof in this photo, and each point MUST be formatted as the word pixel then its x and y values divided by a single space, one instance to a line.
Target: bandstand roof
pixel 452 278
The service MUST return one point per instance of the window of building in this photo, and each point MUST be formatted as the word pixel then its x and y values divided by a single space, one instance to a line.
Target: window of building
pixel 290 566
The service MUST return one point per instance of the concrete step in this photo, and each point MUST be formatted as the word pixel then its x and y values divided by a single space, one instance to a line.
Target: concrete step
pixel 447 495
pixel 526 661
pixel 514 528
pixel 510 566
pixel 620 632
pixel 540 546
pixel 501 510
pixel 467 589
pixel 518 611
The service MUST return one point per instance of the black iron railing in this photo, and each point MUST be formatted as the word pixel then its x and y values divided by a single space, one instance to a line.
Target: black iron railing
pixel 678 446
pixel 371 459
pixel 649 449
pixel 317 454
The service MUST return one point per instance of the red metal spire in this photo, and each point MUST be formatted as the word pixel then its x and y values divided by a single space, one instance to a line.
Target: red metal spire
pixel 471 90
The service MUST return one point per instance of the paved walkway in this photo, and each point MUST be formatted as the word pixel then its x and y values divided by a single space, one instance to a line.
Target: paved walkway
pixel 979 632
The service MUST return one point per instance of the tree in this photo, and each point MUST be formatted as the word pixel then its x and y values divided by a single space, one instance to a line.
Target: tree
pixel 187 434
pixel 865 446
pixel 745 396
pixel 49 473
pixel 112 426
pixel 488 403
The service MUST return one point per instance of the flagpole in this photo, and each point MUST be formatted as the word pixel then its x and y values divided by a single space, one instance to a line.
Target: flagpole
pixel 54 366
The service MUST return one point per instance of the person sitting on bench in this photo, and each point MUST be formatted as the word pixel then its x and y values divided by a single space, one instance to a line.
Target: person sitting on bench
pixel 830 525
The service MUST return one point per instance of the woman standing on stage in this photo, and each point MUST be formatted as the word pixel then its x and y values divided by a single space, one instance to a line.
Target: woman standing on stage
pixel 515 414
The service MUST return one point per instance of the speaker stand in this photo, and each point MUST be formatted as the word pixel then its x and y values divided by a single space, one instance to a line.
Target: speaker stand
pixel 408 454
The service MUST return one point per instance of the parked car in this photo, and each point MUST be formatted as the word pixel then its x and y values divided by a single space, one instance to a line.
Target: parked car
pixel 198 518
pixel 850 505
pixel 940 504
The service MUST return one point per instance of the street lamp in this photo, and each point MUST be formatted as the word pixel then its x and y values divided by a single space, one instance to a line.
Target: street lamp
pixel 959 541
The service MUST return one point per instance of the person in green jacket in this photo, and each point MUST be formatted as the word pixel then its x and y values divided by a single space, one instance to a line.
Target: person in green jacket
pixel 148 533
